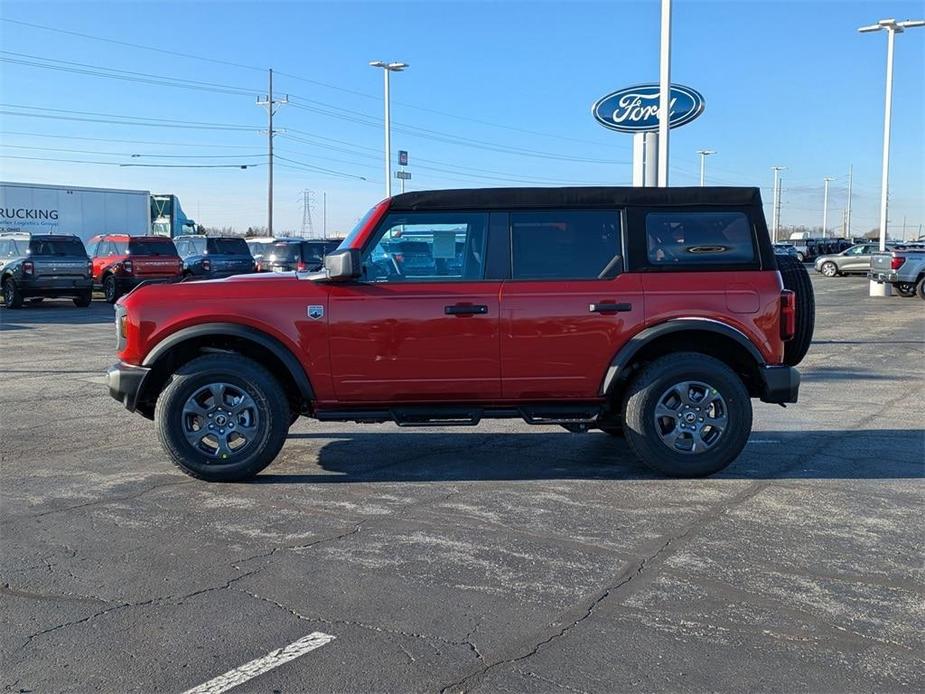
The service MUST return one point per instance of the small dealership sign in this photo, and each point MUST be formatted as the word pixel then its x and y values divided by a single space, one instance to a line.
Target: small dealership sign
pixel 635 109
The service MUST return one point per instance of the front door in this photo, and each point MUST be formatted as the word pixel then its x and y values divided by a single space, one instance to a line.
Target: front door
pixel 567 307
pixel 422 323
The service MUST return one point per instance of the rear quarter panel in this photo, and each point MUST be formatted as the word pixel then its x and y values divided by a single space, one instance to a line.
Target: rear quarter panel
pixel 748 301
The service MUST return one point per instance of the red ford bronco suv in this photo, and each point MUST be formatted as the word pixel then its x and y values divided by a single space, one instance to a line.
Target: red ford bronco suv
pixel 121 262
pixel 654 314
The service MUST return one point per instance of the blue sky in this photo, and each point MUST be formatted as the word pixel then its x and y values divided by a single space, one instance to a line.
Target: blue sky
pixel 498 93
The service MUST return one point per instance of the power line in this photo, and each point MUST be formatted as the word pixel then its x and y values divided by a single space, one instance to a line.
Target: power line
pixel 120 164
pixel 131 142
pixel 135 154
pixel 126 120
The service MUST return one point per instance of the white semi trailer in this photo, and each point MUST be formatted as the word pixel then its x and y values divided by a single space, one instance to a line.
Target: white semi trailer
pixel 83 212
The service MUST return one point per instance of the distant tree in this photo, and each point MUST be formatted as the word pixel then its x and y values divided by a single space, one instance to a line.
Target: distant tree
pixel 200 229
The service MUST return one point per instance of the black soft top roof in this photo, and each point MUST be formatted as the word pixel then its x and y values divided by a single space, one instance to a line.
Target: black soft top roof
pixel 507 198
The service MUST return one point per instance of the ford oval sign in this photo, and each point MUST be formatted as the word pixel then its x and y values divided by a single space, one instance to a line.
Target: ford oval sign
pixel 635 109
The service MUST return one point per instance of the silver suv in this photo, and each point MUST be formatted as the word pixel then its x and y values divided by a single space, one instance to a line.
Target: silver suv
pixel 854 260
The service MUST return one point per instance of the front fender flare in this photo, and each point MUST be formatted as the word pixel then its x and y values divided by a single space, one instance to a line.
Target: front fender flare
pixel 279 350
pixel 625 356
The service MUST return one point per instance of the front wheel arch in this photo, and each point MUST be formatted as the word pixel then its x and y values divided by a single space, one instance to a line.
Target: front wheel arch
pixel 181 347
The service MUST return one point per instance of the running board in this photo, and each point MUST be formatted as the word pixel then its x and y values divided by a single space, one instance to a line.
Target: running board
pixel 446 416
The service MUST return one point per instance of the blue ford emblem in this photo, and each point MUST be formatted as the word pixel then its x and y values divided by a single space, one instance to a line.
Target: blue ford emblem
pixel 635 109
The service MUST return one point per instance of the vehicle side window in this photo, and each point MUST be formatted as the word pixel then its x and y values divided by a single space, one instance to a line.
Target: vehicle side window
pixel 857 250
pixel 572 244
pixel 427 247
pixel 699 238
pixel 95 244
pixel 119 247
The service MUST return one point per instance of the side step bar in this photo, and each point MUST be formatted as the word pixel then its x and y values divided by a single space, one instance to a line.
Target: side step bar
pixel 568 415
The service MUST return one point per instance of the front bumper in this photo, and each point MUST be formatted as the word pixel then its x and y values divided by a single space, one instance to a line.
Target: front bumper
pixel 780 384
pixel 125 381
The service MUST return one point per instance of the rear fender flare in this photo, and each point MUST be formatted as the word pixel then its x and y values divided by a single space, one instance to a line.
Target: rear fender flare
pixel 624 357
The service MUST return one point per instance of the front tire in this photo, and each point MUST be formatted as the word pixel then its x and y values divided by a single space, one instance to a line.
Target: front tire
pixel 110 289
pixel 222 418
pixel 920 288
pixel 687 415
pixel 12 298
pixel 829 269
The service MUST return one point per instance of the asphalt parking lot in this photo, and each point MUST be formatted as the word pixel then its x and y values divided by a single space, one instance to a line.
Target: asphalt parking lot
pixel 503 558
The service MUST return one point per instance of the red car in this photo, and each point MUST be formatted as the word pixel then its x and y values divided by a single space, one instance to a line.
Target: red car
pixel 122 262
pixel 651 313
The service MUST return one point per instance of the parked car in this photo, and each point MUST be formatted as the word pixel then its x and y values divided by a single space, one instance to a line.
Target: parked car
pixel 903 269
pixel 44 266
pixel 786 249
pixel 314 252
pixel 561 313
pixel 122 262
pixel 214 257
pixel 853 261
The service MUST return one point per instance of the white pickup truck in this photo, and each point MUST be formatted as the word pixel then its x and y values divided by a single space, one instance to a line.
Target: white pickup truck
pixel 904 268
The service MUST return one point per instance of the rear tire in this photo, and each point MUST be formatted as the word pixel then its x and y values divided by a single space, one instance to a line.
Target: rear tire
pixel 920 288
pixel 84 300
pixel 906 289
pixel 829 269
pixel 663 427
pixel 12 298
pixel 212 391
pixel 796 279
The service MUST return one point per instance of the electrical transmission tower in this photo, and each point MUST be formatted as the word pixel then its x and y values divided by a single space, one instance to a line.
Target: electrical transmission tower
pixel 308 205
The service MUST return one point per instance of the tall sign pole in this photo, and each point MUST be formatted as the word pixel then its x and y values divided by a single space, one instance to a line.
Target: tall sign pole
pixel 664 94
pixel 825 206
pixel 848 210
pixel 639 160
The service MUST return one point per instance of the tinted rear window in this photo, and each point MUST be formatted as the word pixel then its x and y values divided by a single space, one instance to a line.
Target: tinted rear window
pixel 284 251
pixel 229 247
pixel 62 246
pixel 152 247
pixel 699 238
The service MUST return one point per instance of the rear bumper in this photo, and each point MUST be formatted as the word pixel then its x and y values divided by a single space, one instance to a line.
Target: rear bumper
pixel 780 384
pixel 126 284
pixel 70 286
pixel 124 382
pixel 881 276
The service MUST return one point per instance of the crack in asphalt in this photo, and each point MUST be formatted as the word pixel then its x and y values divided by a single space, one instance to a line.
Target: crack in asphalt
pixel 110 500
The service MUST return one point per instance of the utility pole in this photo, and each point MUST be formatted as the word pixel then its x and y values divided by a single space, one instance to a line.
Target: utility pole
pixel 825 206
pixel 904 227
pixel 270 103
pixel 388 68
pixel 324 215
pixel 775 202
pixel 848 210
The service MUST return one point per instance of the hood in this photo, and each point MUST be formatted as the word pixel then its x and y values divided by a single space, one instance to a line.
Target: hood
pixel 228 290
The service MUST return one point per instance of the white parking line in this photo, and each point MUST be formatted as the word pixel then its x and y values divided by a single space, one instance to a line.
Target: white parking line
pixel 257 667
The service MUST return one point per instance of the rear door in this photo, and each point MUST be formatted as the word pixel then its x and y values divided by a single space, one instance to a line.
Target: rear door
pixel 424 331
pixel 568 305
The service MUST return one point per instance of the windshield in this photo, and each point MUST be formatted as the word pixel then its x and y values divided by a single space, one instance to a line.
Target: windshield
pixel 228 247
pixel 152 247
pixel 62 246
pixel 283 251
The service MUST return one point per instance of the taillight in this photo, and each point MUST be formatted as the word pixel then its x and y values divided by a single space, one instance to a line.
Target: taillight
pixel 206 264
pixel 897 261
pixel 28 268
pixel 788 315
pixel 89 267
pixel 127 267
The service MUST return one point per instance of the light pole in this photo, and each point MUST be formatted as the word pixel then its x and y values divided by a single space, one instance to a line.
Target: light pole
pixel 388 68
pixel 704 153
pixel 892 28
pixel 825 206
pixel 775 202
pixel 664 94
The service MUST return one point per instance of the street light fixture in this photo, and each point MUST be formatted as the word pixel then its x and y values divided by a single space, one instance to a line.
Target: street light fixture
pixel 387 69
pixel 892 28
pixel 704 153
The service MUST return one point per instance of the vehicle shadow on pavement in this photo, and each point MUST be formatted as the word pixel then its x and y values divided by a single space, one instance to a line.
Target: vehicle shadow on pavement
pixel 53 311
pixel 376 457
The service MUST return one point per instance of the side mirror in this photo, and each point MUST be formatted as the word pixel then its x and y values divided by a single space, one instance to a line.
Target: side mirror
pixel 342 265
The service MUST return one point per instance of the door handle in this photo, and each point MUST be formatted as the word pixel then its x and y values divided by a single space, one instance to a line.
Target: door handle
pixel 610 308
pixel 465 310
